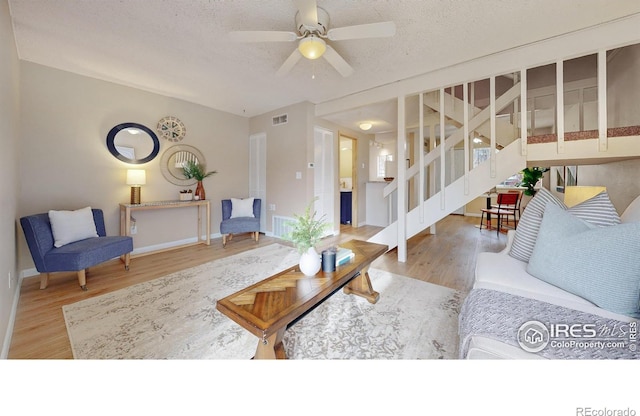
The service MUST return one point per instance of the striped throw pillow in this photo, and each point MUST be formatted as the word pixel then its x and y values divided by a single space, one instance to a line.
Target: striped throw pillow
pixel 598 211
pixel 527 231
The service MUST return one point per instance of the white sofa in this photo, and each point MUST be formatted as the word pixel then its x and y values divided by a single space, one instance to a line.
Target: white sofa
pixel 504 273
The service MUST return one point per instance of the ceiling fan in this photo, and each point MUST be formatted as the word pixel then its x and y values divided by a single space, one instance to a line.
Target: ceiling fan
pixel 312 31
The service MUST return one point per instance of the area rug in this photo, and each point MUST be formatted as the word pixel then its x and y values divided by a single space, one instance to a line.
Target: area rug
pixel 175 317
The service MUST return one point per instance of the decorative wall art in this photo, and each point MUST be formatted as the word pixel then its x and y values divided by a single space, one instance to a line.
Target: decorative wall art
pixel 171 128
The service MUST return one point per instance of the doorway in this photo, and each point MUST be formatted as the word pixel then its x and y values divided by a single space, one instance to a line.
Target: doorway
pixel 258 173
pixel 348 181
pixel 324 174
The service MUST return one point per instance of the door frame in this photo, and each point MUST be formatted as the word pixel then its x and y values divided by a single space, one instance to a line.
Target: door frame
pixel 354 175
pixel 325 172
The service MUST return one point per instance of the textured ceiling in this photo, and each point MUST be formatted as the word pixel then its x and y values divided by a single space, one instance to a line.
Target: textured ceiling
pixel 181 48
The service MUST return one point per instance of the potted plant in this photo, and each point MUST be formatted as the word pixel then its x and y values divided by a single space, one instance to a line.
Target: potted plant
pixel 306 232
pixel 198 172
pixel 530 177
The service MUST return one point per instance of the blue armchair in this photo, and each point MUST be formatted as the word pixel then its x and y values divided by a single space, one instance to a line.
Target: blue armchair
pixel 230 226
pixel 76 256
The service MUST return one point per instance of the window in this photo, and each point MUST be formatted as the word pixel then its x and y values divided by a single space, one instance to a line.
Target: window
pixel 480 154
pixel 382 165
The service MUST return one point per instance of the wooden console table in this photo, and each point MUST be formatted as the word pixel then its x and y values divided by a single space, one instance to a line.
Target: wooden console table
pixel 202 205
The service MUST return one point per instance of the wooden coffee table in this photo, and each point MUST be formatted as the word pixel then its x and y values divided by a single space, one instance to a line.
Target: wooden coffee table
pixel 269 307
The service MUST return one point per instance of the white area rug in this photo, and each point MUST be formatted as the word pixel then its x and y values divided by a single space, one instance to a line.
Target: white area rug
pixel 175 317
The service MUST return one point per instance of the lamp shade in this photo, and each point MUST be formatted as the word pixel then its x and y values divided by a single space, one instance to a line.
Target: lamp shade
pixel 573 195
pixel 365 126
pixel 312 47
pixel 136 177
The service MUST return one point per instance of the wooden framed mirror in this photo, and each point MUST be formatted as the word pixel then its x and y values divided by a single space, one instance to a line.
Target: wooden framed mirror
pixel 173 159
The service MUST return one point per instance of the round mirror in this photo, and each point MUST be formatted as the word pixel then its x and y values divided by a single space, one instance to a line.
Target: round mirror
pixel 133 143
pixel 173 160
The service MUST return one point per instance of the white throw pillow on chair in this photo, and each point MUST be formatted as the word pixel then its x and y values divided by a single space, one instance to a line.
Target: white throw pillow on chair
pixel 70 226
pixel 242 208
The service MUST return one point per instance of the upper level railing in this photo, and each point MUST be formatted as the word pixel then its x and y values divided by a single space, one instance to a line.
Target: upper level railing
pixel 451 123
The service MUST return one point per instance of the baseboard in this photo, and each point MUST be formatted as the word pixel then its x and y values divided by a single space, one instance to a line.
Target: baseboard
pixel 12 321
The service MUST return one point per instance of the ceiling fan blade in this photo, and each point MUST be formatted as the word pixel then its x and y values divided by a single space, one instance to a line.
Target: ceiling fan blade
pixel 289 63
pixel 308 12
pixel 262 36
pixel 369 30
pixel 337 62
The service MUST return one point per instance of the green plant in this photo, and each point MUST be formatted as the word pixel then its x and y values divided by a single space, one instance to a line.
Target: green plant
pixel 531 176
pixel 194 170
pixel 306 230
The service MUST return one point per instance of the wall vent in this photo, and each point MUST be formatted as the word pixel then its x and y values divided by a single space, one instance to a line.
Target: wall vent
pixel 281 119
pixel 280 226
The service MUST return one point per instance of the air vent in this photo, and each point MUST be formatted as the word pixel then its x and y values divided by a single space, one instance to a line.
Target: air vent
pixel 281 225
pixel 281 119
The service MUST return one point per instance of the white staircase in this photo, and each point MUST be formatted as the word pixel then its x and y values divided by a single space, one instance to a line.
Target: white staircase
pixel 509 160
pixel 506 132
pixel 502 133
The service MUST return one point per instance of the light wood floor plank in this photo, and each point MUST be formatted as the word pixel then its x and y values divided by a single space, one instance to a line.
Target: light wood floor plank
pixel 446 258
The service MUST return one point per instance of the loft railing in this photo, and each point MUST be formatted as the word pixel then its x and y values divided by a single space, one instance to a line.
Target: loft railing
pixel 564 110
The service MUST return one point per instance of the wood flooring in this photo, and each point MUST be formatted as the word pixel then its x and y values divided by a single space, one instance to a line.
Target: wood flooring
pixel 446 258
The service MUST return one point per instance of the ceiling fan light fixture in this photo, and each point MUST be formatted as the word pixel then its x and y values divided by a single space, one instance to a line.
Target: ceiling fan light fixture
pixel 312 47
pixel 365 126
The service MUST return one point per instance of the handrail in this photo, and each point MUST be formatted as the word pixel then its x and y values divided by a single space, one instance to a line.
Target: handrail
pixel 501 102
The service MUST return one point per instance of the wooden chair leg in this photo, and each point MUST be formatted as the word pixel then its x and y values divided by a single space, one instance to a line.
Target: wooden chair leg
pixel 82 279
pixel 44 280
pixel 224 240
pixel 127 261
pixel 481 219
pixel 256 235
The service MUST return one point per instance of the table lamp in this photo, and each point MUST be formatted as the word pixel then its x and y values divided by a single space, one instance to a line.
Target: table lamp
pixel 573 195
pixel 136 178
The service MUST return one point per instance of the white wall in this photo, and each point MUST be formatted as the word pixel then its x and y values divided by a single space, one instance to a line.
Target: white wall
pixel 287 154
pixel 290 148
pixel 362 168
pixel 623 88
pixel 391 168
pixel 9 141
pixel 65 163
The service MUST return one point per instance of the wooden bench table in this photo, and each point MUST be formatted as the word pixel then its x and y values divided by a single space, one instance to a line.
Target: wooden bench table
pixel 269 307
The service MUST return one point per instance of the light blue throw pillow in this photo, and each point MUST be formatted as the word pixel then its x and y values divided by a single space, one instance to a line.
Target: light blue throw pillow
pixel 597 211
pixel 600 264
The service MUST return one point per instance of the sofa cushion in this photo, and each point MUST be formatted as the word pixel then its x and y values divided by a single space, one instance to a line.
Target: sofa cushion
pixel 242 208
pixel 632 212
pixel 596 263
pixel 498 271
pixel 86 253
pixel 70 226
pixel 527 231
pixel 597 210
